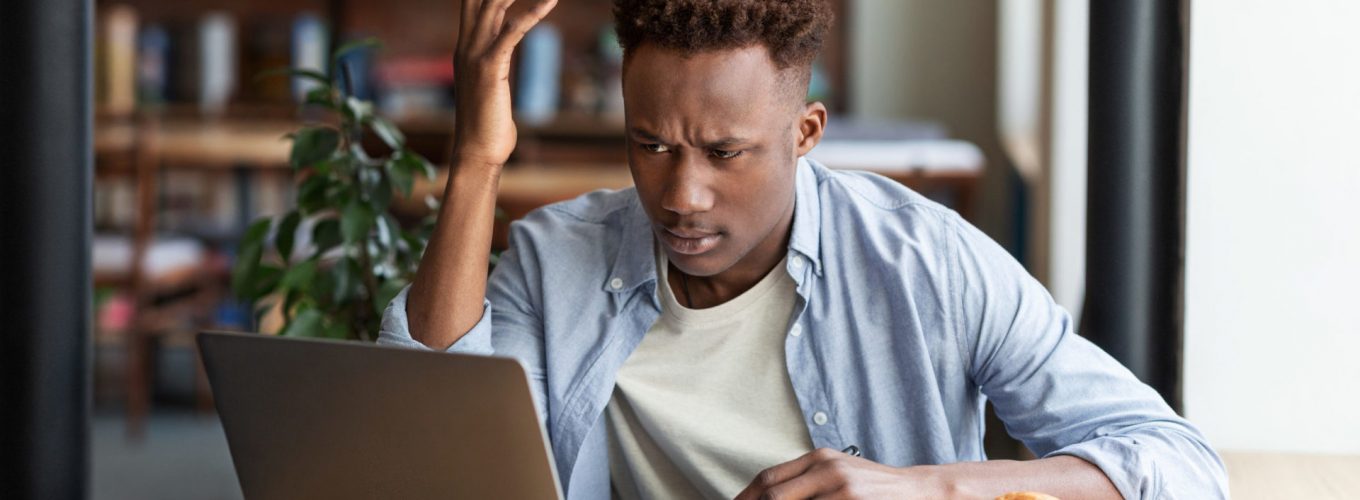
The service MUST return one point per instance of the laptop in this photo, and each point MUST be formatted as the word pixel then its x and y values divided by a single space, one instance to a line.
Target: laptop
pixel 311 418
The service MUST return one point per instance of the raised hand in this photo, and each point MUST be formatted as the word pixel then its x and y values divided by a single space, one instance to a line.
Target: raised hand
pixel 485 131
pixel 445 299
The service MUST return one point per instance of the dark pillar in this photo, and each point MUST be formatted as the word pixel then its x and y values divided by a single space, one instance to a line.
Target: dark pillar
pixel 44 248
pixel 1135 201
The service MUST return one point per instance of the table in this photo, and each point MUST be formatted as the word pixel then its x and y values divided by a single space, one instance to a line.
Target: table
pixel 1260 475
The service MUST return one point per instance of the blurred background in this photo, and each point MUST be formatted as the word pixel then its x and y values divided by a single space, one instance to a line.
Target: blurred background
pixel 1239 251
pixel 189 150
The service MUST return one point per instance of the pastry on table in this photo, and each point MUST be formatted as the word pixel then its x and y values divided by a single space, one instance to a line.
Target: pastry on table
pixel 1026 495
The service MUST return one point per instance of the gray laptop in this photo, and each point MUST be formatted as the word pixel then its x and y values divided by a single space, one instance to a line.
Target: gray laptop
pixel 341 420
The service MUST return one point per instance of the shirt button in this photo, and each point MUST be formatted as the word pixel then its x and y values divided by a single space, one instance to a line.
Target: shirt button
pixel 796 331
pixel 819 418
pixel 797 262
pixel 616 283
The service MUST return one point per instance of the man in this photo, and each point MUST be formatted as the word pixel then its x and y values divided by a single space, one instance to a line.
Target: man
pixel 744 314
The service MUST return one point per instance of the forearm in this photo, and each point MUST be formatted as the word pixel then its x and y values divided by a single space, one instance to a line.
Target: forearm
pixel 1060 476
pixel 446 297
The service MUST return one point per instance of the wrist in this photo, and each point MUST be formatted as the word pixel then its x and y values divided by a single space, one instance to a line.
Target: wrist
pixel 946 481
pixel 464 163
pixel 464 174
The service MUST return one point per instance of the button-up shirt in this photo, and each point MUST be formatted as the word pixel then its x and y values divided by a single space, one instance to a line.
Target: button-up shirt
pixel 907 321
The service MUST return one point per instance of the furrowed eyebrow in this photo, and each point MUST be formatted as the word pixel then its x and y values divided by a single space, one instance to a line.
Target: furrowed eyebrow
pixel 640 134
pixel 725 142
pixel 644 135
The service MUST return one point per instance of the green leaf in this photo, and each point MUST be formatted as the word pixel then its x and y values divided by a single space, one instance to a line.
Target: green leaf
pixel 347 278
pixel 364 43
pixel 309 74
pixel 299 277
pixel 393 229
pixel 289 300
pixel 358 109
pixel 401 178
pixel 359 156
pixel 307 323
pixel 355 221
pixel 335 330
pixel 415 245
pixel 287 232
pixel 322 96
pixel 263 281
pixel 326 235
pixel 340 194
pixel 322 288
pixel 412 163
pixel 247 261
pixel 248 258
pixel 256 232
pixel 425 166
pixel 312 194
pixel 369 179
pixel 313 144
pixel 387 290
pixel 388 132
pixel 381 196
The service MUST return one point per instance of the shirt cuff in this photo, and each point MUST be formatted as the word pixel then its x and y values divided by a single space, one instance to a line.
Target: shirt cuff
pixel 396 330
pixel 1118 457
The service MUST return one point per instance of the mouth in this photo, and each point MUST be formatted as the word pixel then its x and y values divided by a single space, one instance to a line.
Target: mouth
pixel 689 241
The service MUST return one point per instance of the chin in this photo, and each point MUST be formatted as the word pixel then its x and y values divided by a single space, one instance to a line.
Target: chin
pixel 703 265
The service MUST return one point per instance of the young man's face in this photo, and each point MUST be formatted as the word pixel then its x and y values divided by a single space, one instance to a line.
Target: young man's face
pixel 713 141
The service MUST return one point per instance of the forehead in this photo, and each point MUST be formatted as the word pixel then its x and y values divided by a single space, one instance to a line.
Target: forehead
pixel 735 87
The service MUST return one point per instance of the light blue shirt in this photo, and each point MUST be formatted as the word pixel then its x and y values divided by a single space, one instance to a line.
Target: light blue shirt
pixel 907 320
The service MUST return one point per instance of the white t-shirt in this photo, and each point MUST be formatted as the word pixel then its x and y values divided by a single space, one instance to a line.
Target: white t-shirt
pixel 704 403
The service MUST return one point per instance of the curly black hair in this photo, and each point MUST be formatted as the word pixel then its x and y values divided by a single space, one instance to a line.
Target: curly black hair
pixel 792 30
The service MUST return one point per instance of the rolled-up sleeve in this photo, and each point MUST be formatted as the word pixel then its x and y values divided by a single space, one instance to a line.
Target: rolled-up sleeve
pixel 396 330
pixel 511 324
pixel 1062 395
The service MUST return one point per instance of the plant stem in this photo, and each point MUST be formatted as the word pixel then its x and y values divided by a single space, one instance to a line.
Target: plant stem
pixel 365 307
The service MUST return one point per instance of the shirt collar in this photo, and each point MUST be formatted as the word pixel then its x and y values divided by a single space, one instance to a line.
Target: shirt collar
pixel 807 213
pixel 634 265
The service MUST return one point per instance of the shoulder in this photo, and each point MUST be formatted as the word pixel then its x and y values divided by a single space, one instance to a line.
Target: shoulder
pixel 588 221
pixel 596 207
pixel 882 206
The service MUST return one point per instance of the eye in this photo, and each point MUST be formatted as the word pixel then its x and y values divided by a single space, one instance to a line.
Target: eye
pixel 725 155
pixel 655 148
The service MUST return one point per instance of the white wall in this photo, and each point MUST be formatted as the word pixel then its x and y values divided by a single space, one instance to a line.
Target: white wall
pixel 1066 249
pixel 1042 75
pixel 1272 323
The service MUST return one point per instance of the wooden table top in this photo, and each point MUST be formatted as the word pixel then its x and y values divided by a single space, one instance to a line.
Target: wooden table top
pixel 1259 475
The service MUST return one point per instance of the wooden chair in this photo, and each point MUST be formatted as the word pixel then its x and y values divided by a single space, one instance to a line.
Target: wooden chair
pixel 192 292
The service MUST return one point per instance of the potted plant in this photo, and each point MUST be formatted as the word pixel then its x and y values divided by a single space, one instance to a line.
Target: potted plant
pixel 357 256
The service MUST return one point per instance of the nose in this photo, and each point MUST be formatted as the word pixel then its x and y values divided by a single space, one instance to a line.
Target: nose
pixel 688 189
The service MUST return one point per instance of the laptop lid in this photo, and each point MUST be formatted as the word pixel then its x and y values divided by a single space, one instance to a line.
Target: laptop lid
pixel 309 418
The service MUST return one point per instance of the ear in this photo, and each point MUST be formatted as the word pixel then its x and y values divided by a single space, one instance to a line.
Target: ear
pixel 811 124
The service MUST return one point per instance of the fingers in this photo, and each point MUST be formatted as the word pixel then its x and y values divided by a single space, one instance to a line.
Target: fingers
pixel 498 23
pixel 778 474
pixel 815 482
pixel 466 21
pixel 517 26
pixel 488 26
